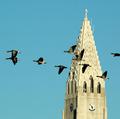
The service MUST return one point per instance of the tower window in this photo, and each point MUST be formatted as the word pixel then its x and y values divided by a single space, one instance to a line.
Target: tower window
pixel 99 88
pixel 91 84
pixel 74 114
pixel 73 75
pixel 69 74
pixel 75 87
pixel 84 87
pixel 68 89
pixel 71 86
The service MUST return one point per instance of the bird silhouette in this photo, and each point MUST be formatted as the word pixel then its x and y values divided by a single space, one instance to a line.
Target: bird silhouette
pixel 115 54
pixel 80 55
pixel 71 49
pixel 14 59
pixel 40 61
pixel 13 52
pixel 61 68
pixel 104 75
pixel 84 67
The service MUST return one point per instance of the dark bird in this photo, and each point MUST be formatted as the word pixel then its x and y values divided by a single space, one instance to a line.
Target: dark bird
pixel 14 59
pixel 61 68
pixel 104 75
pixel 84 67
pixel 80 55
pixel 115 54
pixel 71 49
pixel 40 61
pixel 13 52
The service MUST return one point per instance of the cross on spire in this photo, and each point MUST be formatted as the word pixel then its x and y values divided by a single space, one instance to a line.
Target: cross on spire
pixel 86 13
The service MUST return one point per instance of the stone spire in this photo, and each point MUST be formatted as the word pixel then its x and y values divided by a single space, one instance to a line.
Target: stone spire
pixel 86 41
pixel 85 93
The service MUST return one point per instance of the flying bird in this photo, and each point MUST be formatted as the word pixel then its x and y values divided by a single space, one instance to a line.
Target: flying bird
pixel 13 52
pixel 80 56
pixel 61 68
pixel 14 59
pixel 85 66
pixel 104 75
pixel 71 49
pixel 115 54
pixel 40 61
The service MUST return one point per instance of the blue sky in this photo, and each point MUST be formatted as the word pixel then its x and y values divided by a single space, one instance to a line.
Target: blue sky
pixel 47 28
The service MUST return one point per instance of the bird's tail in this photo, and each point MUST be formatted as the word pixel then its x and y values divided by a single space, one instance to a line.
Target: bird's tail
pixel 113 54
pixel 45 62
pixel 19 52
pixel 34 60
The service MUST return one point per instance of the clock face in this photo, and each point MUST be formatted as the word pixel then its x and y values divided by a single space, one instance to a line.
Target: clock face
pixel 91 107
pixel 71 107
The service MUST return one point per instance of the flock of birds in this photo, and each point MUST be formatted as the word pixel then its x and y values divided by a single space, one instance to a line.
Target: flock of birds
pixel 71 50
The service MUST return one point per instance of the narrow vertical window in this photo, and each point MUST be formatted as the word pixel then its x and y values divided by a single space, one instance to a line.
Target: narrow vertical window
pixel 75 87
pixel 99 88
pixel 74 114
pixel 71 86
pixel 69 74
pixel 91 84
pixel 73 75
pixel 68 89
pixel 84 87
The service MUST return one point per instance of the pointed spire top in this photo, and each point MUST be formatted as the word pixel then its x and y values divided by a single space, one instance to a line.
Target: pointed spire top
pixel 86 13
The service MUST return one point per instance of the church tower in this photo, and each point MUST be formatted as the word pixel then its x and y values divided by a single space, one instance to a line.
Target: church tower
pixel 85 96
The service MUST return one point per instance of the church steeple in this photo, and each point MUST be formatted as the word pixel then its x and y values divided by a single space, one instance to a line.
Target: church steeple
pixel 85 93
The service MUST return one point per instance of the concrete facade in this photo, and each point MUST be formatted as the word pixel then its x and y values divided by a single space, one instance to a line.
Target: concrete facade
pixel 85 96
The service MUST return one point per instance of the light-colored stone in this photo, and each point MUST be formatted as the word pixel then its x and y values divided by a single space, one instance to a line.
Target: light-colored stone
pixel 83 102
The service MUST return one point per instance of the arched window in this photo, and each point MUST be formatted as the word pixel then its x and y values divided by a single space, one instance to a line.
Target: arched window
pixel 71 86
pixel 73 75
pixel 74 114
pixel 75 87
pixel 84 87
pixel 68 88
pixel 69 74
pixel 99 88
pixel 91 84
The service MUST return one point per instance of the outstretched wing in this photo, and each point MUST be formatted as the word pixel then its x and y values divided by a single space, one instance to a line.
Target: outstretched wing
pixel 73 47
pixel 81 54
pixel 104 75
pixel 14 60
pixel 84 68
pixel 60 70
pixel 41 59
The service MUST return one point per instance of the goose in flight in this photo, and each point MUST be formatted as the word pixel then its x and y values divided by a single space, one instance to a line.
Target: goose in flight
pixel 104 75
pixel 61 68
pixel 71 49
pixel 85 66
pixel 40 61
